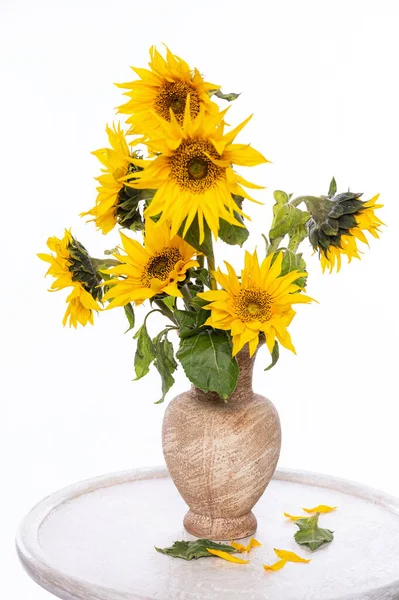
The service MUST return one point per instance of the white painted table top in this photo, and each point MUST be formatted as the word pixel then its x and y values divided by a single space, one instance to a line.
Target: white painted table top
pixel 95 540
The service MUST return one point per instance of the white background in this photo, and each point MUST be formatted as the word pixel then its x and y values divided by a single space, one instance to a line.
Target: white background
pixel 321 78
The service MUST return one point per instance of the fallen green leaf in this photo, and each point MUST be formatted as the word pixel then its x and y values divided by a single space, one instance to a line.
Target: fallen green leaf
pixel 195 549
pixel 310 534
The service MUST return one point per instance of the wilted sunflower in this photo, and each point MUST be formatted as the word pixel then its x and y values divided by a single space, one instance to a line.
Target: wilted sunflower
pixel 110 203
pixel 338 223
pixel 156 268
pixel 193 173
pixel 259 302
pixel 162 89
pixel 71 267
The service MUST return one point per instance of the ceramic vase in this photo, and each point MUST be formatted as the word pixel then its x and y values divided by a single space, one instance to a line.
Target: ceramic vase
pixel 222 455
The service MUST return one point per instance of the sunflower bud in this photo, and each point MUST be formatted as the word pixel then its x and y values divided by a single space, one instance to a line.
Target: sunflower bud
pixel 338 221
pixel 127 207
pixel 331 219
pixel 83 270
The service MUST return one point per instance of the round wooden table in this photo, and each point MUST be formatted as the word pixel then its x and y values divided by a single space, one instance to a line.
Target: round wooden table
pixel 95 540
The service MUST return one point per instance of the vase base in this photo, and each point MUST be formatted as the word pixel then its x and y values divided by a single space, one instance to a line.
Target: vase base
pixel 220 529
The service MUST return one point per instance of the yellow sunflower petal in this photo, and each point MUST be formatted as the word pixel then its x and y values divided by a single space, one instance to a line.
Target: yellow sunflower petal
pixel 321 508
pixel 276 566
pixel 290 556
pixel 227 556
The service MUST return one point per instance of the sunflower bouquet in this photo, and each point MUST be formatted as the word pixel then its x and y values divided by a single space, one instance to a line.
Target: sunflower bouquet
pixel 169 181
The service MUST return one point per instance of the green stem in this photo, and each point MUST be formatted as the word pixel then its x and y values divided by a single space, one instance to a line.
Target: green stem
pixel 273 246
pixel 186 296
pixel 200 259
pixel 165 310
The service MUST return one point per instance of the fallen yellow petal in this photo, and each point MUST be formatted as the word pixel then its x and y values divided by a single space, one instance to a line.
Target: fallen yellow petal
pixel 239 547
pixel 290 556
pixel 227 556
pixel 295 518
pixel 277 565
pixel 253 543
pixel 322 508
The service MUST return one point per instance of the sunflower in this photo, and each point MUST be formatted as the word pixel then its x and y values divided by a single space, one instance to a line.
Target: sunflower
pixel 156 268
pixel 162 89
pixel 118 167
pixel 259 302
pixel 193 172
pixel 71 267
pixel 338 224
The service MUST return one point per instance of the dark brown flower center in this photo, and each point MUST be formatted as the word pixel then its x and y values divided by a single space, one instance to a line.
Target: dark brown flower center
pixel 173 95
pixel 160 265
pixel 192 167
pixel 253 304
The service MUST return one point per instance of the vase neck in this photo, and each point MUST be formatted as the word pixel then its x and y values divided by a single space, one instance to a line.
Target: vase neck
pixel 243 391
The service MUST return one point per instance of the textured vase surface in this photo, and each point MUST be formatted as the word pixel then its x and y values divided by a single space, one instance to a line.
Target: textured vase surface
pixel 221 456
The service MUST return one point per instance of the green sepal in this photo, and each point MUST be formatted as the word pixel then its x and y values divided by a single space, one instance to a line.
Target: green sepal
pixel 310 534
pixel 275 356
pixel 206 358
pixel 83 269
pixel 195 549
pixel 192 237
pixel 129 312
pixel 332 190
pixel 219 94
pixel 145 352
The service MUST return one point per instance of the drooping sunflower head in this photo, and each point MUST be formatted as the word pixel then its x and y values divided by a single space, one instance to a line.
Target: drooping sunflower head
pixel 146 271
pixel 163 89
pixel 193 172
pixel 71 266
pixel 337 224
pixel 260 302
pixel 115 203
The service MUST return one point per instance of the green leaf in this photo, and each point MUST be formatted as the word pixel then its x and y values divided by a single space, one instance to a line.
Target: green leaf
pixel 229 97
pixel 194 549
pixel 165 363
pixel 190 322
pixel 129 312
pixel 207 361
pixel 281 198
pixel 201 275
pixel 169 302
pixel 333 188
pixel 292 262
pixel 275 356
pixel 197 303
pixel 297 235
pixel 310 534
pixel 192 238
pixel 287 218
pixel 145 352
pixel 234 234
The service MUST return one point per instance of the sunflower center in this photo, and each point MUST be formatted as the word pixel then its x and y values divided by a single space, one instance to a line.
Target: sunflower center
pixel 173 95
pixel 192 168
pixel 253 304
pixel 160 265
pixel 197 168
